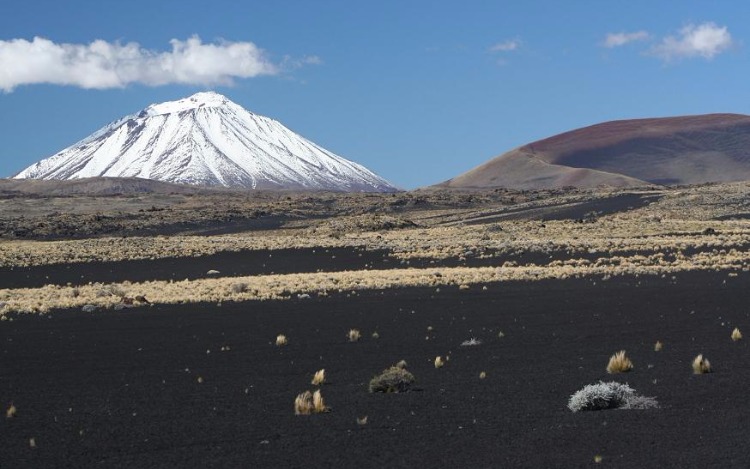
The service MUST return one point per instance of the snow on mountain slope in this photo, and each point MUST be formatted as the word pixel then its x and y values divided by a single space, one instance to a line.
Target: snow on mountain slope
pixel 206 139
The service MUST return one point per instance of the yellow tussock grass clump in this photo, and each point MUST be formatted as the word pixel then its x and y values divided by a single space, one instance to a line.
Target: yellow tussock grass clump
pixel 309 403
pixel 319 405
pixel 439 362
pixel 303 404
pixel 736 334
pixel 281 340
pixel 319 378
pixel 619 363
pixel 353 335
pixel 701 365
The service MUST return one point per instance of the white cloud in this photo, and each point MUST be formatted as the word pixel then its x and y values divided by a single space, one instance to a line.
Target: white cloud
pixel 620 39
pixel 705 40
pixel 102 64
pixel 506 46
pixel 290 62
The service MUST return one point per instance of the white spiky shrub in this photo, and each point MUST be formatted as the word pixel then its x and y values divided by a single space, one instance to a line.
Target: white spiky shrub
pixel 611 395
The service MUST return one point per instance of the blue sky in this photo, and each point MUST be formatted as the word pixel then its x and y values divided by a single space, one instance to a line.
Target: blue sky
pixel 417 91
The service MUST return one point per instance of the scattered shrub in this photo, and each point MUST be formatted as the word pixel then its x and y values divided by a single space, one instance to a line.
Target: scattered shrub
pixel 319 405
pixel 612 395
pixel 393 379
pixel 303 404
pixel 701 365
pixel 375 335
pixel 482 375
pixel 281 340
pixel 736 334
pixel 362 420
pixel 619 363
pixel 319 378
pixel 353 335
pixel 439 362
pixel 11 412
pixel 658 346
pixel 471 342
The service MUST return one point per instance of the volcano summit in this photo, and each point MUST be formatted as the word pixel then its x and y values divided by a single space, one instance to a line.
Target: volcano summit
pixel 208 140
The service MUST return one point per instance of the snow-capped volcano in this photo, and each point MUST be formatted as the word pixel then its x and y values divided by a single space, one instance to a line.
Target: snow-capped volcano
pixel 206 139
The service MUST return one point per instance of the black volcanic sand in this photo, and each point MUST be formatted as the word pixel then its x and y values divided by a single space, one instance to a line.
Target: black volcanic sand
pixel 120 389
pixel 229 264
pixel 282 261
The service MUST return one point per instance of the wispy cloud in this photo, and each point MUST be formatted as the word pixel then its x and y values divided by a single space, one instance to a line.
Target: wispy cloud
pixel 506 46
pixel 101 64
pixel 704 40
pixel 620 39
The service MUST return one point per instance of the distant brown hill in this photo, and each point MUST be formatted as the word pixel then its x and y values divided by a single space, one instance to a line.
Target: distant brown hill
pixel 670 150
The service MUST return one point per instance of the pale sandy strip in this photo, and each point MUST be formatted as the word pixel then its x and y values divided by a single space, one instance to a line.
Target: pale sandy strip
pixel 31 300
pixel 615 233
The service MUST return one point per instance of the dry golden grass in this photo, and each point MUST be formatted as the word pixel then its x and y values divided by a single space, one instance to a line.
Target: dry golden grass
pixel 281 340
pixel 658 346
pixel 619 363
pixel 675 224
pixel 11 412
pixel 319 378
pixel 439 362
pixel 303 404
pixel 701 365
pixel 319 405
pixel 353 335
pixel 736 334
pixel 308 403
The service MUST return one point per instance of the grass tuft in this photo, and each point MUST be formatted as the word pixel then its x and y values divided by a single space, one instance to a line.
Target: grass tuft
pixel 319 378
pixel 701 365
pixel 11 412
pixel 353 335
pixel 303 404
pixel 619 363
pixel 281 340
pixel 658 346
pixel 736 334
pixel 439 362
pixel 319 405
